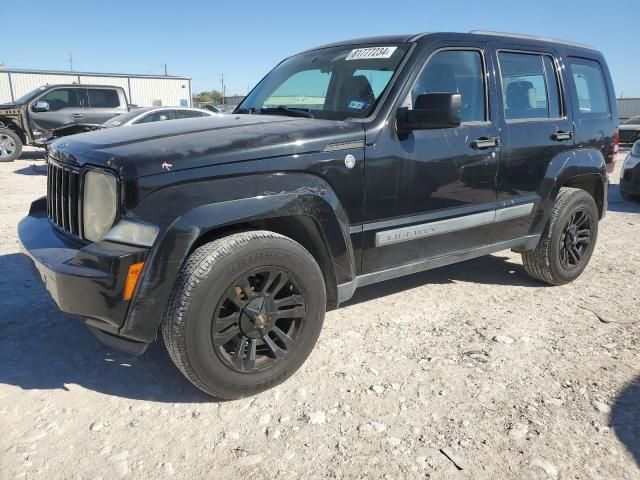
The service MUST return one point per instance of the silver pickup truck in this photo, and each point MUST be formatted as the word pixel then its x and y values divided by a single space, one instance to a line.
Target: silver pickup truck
pixel 30 120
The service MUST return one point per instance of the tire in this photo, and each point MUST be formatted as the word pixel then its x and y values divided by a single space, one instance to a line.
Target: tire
pixel 10 145
pixel 251 285
pixel 554 259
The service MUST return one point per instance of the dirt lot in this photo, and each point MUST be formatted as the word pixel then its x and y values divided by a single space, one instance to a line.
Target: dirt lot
pixel 470 371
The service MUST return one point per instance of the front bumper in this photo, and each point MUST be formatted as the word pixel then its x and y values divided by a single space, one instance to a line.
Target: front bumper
pixel 630 180
pixel 85 280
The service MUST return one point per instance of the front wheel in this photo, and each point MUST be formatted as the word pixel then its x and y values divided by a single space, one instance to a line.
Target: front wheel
pixel 10 145
pixel 245 314
pixel 568 240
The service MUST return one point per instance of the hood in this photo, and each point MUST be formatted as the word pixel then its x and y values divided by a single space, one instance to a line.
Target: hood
pixel 9 108
pixel 147 149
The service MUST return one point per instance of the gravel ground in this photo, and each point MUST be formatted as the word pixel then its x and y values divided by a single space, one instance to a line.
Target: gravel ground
pixel 472 371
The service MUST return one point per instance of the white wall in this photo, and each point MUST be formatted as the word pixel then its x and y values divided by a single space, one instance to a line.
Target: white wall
pixel 5 92
pixel 25 82
pixel 144 91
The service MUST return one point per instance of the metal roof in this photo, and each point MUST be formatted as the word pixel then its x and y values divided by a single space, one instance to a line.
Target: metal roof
pixel 91 74
pixel 628 107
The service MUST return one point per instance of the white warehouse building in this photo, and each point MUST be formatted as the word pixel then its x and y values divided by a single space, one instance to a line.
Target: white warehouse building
pixel 141 90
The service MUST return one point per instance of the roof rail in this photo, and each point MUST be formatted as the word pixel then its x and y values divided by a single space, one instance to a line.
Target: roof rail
pixel 531 37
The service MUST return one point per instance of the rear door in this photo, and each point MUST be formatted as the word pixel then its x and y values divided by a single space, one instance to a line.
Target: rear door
pixel 101 105
pixel 536 125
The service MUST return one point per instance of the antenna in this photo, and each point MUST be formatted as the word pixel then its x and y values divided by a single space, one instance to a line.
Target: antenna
pixel 70 62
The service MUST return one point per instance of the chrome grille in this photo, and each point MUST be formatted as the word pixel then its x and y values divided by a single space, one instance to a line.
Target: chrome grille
pixel 63 197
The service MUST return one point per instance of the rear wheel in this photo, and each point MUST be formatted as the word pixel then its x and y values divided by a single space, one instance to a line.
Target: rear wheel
pixel 10 145
pixel 245 314
pixel 568 240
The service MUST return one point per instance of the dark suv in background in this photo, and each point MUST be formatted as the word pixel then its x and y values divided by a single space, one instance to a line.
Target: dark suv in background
pixel 32 117
pixel 347 165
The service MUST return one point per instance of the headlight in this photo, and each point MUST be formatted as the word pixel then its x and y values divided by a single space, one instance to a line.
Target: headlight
pixel 99 204
pixel 630 162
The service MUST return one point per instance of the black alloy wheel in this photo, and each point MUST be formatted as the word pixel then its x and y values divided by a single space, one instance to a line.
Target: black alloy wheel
pixel 575 241
pixel 259 319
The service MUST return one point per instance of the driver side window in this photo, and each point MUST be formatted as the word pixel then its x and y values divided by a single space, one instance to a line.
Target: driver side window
pixel 61 98
pixel 456 71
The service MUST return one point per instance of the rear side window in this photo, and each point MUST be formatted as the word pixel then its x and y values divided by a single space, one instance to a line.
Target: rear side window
pixel 530 86
pixel 103 98
pixel 590 86
pixel 456 71
pixel 160 116
pixel 188 114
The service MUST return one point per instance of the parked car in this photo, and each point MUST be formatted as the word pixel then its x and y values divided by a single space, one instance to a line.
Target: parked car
pixel 32 117
pixel 630 174
pixel 630 131
pixel 134 117
pixel 233 236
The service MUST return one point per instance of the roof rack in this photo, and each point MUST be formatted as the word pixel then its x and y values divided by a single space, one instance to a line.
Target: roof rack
pixel 531 37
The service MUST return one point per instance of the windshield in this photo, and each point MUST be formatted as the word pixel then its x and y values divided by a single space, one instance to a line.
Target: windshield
pixel 31 95
pixel 332 83
pixel 636 149
pixel 632 121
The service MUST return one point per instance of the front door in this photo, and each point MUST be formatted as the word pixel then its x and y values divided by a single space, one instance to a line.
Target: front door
pixel 536 125
pixel 438 186
pixel 64 107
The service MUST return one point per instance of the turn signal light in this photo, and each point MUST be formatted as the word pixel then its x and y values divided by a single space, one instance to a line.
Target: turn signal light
pixel 132 279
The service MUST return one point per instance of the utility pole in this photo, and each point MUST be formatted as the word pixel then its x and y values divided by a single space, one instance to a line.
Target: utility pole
pixel 222 86
pixel 70 62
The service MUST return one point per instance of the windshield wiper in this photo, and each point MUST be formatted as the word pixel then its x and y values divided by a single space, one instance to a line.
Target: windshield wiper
pixel 292 112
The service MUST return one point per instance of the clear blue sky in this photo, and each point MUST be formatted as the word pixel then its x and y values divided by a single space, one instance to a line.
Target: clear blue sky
pixel 244 39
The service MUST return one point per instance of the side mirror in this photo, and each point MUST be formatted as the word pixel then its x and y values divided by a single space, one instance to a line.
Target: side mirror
pixel 41 106
pixel 431 111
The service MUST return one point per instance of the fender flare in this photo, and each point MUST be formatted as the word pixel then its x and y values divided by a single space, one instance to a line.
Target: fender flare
pixel 570 165
pixel 166 258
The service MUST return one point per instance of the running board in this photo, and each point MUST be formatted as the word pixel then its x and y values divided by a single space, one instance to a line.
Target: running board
pixel 346 290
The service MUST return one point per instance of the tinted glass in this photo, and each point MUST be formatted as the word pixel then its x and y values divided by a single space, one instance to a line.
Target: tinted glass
pixel 455 71
pixel 590 86
pixel 529 85
pixel 636 149
pixel 307 89
pixel 330 83
pixel 188 114
pixel 156 117
pixel 61 98
pixel 103 98
pixel 632 121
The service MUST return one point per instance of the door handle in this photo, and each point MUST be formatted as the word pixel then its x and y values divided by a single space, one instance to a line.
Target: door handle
pixel 482 143
pixel 77 115
pixel 562 136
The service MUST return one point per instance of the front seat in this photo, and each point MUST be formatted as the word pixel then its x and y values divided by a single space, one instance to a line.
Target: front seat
pixel 357 88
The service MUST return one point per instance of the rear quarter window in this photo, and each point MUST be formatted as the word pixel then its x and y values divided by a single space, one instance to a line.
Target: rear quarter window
pixel 591 93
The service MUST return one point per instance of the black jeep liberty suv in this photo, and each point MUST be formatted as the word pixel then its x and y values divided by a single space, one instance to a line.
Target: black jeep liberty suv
pixel 348 164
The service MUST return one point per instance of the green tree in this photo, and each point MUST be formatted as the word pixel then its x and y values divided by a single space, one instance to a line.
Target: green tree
pixel 213 96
